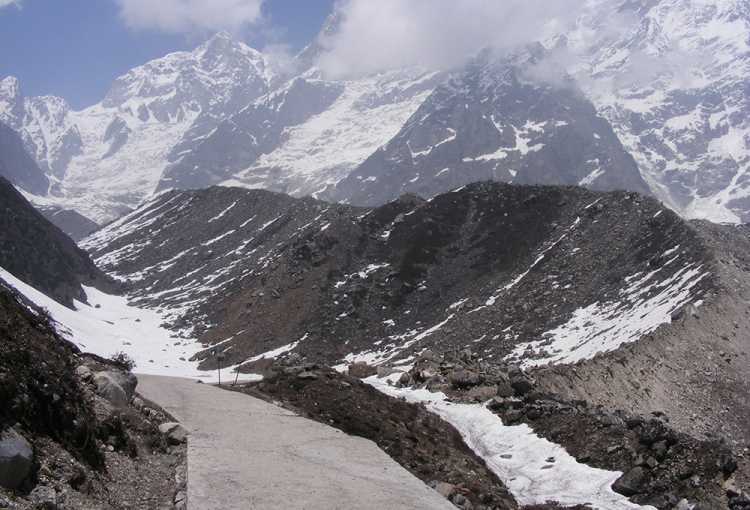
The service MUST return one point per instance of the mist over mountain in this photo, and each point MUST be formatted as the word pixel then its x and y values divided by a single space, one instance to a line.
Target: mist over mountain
pixel 665 114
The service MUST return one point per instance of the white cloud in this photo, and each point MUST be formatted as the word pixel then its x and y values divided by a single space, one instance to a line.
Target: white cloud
pixel 6 3
pixel 188 16
pixel 383 34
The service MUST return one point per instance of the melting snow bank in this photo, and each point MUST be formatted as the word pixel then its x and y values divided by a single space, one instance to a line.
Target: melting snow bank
pixel 535 470
pixel 116 326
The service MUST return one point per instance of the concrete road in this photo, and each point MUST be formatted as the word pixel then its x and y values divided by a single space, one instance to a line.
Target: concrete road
pixel 244 453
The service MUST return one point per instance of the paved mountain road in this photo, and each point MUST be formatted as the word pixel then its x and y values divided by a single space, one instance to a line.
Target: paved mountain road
pixel 244 453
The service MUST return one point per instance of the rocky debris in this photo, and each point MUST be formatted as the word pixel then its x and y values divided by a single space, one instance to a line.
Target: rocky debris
pixel 463 376
pixel 16 459
pixel 661 466
pixel 174 432
pixel 44 497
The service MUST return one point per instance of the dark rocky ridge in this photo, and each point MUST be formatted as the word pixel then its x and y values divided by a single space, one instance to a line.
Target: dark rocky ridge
pixel 40 254
pixel 423 257
pixel 75 225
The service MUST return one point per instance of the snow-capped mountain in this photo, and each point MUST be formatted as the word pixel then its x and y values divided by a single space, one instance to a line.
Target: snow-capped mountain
pixel 305 136
pixel 109 157
pixel 45 125
pixel 675 89
pixel 491 122
pixel 659 105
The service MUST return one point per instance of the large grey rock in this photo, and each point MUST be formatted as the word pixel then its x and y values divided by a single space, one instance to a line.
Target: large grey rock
pixel 174 432
pixel 84 373
pixel 108 388
pixel 126 380
pixel 630 483
pixel 16 458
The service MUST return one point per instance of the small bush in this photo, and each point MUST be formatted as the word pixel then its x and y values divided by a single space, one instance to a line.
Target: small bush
pixel 123 361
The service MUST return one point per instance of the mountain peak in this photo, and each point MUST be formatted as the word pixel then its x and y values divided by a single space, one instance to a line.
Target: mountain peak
pixel 9 87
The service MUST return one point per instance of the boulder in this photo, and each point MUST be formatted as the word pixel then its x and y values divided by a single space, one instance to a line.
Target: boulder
pixel 16 459
pixel 519 381
pixel 362 370
pixel 174 432
pixel 481 393
pixel 108 388
pixel 465 379
pixel 126 380
pixel 385 371
pixel 631 483
pixel 84 373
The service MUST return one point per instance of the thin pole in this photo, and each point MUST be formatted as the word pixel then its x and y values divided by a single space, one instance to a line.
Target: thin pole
pixel 219 360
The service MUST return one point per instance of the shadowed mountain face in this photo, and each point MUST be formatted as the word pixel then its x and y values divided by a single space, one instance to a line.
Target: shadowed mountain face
pixel 17 166
pixel 75 225
pixel 39 253
pixel 492 122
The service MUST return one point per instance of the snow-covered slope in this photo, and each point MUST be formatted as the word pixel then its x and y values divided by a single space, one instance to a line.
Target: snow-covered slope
pixel 107 158
pixel 304 136
pixel 675 88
